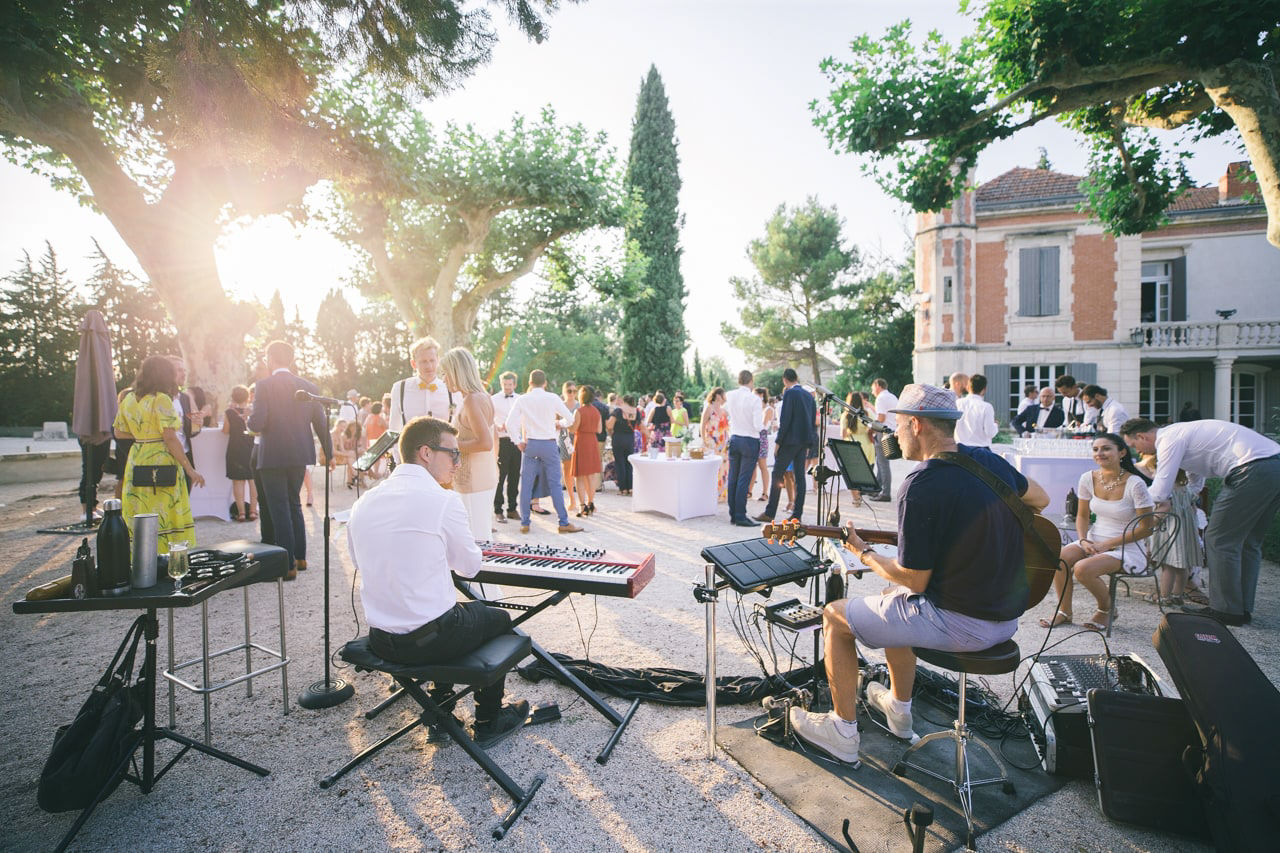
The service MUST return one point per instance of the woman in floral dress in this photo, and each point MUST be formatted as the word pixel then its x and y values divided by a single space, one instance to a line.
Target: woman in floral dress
pixel 715 437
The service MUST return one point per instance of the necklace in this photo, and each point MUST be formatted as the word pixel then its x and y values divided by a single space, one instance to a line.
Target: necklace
pixel 1111 484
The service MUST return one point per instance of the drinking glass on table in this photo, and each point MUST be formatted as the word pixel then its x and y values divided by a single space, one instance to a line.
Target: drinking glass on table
pixel 179 565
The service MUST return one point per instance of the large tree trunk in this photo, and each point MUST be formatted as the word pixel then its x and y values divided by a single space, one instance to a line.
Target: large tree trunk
pixel 1246 91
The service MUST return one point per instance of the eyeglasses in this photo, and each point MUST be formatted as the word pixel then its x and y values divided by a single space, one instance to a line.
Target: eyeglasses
pixel 454 453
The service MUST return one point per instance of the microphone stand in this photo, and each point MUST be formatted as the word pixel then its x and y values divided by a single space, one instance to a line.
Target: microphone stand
pixel 331 691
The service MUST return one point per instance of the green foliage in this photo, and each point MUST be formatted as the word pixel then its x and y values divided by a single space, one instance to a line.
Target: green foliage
pixel 382 349
pixel 881 334
pixel 138 324
pixel 653 331
pixel 924 109
pixel 336 328
pixel 40 313
pixel 794 306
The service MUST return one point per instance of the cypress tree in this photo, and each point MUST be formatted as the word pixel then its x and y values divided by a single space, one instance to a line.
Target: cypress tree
pixel 653 332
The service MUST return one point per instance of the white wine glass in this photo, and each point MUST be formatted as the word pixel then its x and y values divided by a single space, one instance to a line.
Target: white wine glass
pixel 179 564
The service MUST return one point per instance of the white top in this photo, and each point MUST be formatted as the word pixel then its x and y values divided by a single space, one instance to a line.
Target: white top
pixel 419 401
pixel 885 401
pixel 977 426
pixel 746 415
pixel 1113 416
pixel 1113 515
pixel 502 404
pixel 404 537
pixel 535 413
pixel 182 429
pixel 1203 449
pixel 348 412
pixel 1075 409
pixel 1024 402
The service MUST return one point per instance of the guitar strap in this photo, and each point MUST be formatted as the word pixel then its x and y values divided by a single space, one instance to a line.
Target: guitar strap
pixel 1005 492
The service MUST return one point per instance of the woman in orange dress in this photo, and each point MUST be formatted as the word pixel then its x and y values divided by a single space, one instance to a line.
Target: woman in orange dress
pixel 585 460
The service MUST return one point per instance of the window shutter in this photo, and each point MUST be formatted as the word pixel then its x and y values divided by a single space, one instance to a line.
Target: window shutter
pixel 1049 281
pixel 1028 282
pixel 998 393
pixel 1178 291
pixel 1086 373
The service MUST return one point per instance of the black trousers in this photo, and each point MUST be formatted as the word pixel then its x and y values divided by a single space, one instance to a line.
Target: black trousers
pixel 92 458
pixel 508 475
pixel 282 488
pixel 266 530
pixel 623 447
pixel 464 628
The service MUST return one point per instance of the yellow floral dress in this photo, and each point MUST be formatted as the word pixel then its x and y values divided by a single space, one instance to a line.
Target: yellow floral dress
pixel 718 443
pixel 146 420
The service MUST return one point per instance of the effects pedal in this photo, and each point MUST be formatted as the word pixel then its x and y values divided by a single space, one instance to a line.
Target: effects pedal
pixel 547 713
pixel 793 615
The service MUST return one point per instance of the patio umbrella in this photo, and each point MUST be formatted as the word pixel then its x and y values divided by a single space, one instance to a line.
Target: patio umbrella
pixel 94 407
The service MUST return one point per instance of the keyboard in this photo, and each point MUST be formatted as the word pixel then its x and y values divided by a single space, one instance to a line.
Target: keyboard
pixel 594 571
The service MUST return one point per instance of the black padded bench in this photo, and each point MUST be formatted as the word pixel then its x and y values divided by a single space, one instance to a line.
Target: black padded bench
pixel 480 668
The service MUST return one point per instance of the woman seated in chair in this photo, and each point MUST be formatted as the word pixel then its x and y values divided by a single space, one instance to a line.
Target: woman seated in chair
pixel 346 448
pixel 1117 494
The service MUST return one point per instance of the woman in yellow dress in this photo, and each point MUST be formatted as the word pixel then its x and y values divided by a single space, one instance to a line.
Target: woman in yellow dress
pixel 148 417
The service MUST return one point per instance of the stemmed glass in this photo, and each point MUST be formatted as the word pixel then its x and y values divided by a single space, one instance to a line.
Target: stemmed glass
pixel 179 564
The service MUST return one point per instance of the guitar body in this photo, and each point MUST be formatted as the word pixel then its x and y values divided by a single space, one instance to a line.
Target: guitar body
pixel 1041 545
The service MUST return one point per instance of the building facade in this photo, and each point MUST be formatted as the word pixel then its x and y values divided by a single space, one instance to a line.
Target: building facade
pixel 1017 284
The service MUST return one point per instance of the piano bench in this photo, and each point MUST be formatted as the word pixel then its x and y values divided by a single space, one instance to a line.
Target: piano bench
pixel 480 668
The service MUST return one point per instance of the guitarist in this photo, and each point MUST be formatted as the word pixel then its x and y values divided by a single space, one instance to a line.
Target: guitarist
pixel 958 583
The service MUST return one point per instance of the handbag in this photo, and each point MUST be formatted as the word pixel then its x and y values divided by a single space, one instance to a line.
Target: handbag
pixel 155 476
pixel 89 756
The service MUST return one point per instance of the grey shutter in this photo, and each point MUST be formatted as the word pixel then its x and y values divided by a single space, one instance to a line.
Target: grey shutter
pixel 998 394
pixel 1086 373
pixel 1049 281
pixel 1028 283
pixel 1178 291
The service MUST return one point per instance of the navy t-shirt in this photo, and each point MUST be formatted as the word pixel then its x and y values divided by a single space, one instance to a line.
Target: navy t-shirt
pixel 951 522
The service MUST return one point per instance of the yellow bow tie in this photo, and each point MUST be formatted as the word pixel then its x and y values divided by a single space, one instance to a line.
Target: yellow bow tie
pixel 423 386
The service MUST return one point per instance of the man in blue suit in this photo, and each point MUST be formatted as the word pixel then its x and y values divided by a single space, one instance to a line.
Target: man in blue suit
pixel 286 425
pixel 797 442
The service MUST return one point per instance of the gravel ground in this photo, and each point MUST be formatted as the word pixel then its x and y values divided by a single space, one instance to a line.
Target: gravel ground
pixel 659 792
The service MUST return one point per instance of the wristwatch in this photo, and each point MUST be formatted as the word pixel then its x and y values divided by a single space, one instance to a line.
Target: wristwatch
pixel 863 552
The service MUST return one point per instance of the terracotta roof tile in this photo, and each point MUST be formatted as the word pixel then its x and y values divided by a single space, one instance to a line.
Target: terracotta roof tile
pixel 1196 198
pixel 1019 184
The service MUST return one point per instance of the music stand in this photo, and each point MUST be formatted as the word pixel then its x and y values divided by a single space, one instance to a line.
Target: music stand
pixel 854 466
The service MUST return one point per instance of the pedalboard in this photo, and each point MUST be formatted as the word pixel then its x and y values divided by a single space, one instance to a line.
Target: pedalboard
pixel 793 614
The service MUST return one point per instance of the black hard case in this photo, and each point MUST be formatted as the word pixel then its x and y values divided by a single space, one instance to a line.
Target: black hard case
pixel 1235 710
pixel 1138 743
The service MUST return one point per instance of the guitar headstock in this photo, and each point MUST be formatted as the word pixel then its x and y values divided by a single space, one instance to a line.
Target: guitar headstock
pixel 785 532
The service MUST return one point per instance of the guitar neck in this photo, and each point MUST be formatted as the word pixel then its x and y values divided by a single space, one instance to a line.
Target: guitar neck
pixel 877 537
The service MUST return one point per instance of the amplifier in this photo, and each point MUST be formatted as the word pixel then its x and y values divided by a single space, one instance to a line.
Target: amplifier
pixel 1053 703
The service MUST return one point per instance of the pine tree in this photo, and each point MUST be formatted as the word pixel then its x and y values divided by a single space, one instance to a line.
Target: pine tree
pixel 653 332
pixel 135 318
pixel 697 372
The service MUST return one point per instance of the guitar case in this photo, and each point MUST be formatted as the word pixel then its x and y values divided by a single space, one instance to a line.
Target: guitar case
pixel 1236 763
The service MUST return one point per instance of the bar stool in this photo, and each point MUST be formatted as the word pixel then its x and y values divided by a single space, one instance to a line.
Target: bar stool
pixel 275 565
pixel 998 659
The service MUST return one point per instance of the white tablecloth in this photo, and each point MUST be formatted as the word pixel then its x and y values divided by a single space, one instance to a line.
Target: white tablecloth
pixel 209 448
pixel 680 488
pixel 1057 474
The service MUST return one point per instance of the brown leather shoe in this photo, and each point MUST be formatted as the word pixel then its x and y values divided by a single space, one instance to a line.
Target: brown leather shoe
pixel 524 528
pixel 292 574
pixel 301 565
pixel 569 528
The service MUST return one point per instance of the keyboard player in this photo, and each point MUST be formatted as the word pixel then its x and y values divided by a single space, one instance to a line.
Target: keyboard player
pixel 405 537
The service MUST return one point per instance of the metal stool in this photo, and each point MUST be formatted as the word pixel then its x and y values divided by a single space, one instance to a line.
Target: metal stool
pixel 996 660
pixel 275 565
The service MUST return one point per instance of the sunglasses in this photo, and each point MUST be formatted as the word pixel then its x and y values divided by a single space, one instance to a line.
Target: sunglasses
pixel 454 453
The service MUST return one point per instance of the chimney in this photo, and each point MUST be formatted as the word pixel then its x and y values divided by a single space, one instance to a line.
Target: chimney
pixel 1231 189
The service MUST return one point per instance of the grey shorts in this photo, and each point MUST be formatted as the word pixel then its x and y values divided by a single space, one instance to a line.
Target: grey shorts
pixel 901 618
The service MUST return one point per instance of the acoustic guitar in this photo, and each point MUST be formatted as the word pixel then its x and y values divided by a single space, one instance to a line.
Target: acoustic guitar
pixel 1041 546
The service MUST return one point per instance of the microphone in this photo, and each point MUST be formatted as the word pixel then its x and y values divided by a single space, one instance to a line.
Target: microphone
pixel 302 395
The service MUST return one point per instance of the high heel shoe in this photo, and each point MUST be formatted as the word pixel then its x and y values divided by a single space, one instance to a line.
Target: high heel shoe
pixel 582 513
pixel 591 508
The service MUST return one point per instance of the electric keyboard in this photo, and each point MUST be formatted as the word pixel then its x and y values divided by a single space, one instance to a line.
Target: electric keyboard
pixel 594 571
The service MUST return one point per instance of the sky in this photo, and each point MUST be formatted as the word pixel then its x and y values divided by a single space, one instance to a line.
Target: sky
pixel 739 76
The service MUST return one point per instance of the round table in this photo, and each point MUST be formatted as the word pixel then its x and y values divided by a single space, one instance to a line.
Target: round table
pixel 680 488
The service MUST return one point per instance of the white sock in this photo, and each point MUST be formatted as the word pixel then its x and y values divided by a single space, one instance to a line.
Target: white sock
pixel 899 707
pixel 846 728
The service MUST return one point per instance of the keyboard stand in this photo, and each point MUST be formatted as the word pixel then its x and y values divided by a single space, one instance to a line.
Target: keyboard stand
pixel 527 612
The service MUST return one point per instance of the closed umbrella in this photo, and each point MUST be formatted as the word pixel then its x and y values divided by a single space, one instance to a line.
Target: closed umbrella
pixel 94 407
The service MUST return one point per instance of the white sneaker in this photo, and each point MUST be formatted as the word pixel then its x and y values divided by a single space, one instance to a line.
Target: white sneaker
pixel 880 698
pixel 820 730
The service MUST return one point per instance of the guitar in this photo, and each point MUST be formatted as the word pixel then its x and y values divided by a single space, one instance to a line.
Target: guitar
pixel 1041 546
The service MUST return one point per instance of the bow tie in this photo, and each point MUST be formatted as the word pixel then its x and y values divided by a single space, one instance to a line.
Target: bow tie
pixel 508 397
pixel 425 386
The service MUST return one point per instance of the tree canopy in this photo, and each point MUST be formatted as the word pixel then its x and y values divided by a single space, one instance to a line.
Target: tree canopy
pixel 794 306
pixel 1111 69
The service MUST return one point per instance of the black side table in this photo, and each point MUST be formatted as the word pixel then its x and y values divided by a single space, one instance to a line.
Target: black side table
pixel 151 599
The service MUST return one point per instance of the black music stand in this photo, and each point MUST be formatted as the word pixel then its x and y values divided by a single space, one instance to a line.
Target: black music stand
pixel 150 600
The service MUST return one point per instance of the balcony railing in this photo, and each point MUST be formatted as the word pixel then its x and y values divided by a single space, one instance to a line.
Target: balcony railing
pixel 1245 334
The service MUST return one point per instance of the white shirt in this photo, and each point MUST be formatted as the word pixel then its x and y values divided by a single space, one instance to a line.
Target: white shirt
pixel 885 401
pixel 1203 449
pixel 1113 416
pixel 535 413
pixel 405 536
pixel 501 408
pixel 182 428
pixel 348 412
pixel 419 401
pixel 977 426
pixel 1075 409
pixel 746 415
pixel 1026 401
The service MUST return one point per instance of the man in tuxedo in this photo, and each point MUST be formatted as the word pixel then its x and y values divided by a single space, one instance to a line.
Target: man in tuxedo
pixel 508 453
pixel 797 441
pixel 286 425
pixel 1046 415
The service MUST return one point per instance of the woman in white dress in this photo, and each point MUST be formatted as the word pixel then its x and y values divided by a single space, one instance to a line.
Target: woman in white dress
pixel 477 474
pixel 1116 493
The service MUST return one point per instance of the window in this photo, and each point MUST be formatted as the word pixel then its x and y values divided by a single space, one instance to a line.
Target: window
pixel 1038 282
pixel 1164 291
pixel 1245 404
pixel 1021 375
pixel 1155 395
pixel 946 290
